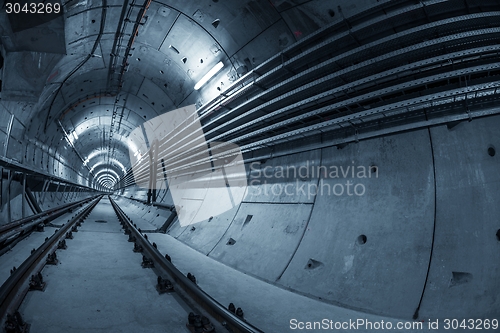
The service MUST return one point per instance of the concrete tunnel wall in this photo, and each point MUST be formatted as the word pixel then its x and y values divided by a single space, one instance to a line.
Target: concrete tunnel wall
pixel 432 207
pixel 15 203
pixel 45 200
pixel 48 200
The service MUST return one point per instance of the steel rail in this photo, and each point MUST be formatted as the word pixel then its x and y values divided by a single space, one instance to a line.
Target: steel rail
pixel 7 230
pixel 214 308
pixel 14 289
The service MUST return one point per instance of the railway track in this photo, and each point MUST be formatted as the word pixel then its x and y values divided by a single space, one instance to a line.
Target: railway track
pixel 13 232
pixel 160 297
pixel 27 276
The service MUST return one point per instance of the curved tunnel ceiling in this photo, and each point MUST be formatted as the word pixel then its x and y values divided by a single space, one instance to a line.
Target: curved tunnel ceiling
pixel 127 62
pixel 176 43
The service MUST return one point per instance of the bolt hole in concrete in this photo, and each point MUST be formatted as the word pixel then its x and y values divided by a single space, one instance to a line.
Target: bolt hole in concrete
pixel 313 264
pixel 362 239
pixel 231 241
pixel 101 221
pixel 491 151
pixel 498 235
pixel 247 220
pixel 460 278
pixel 373 169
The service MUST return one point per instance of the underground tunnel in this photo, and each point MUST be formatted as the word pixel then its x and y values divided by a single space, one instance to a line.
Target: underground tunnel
pixel 249 165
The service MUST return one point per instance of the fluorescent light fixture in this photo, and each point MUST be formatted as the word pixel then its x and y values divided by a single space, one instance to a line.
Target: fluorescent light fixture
pixel 209 75
pixel 138 154
pixel 75 135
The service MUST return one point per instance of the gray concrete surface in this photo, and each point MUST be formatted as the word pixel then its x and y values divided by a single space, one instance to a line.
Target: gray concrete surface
pixel 22 250
pixel 466 250
pixel 100 286
pixel 268 307
pixel 387 274
pixel 263 238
